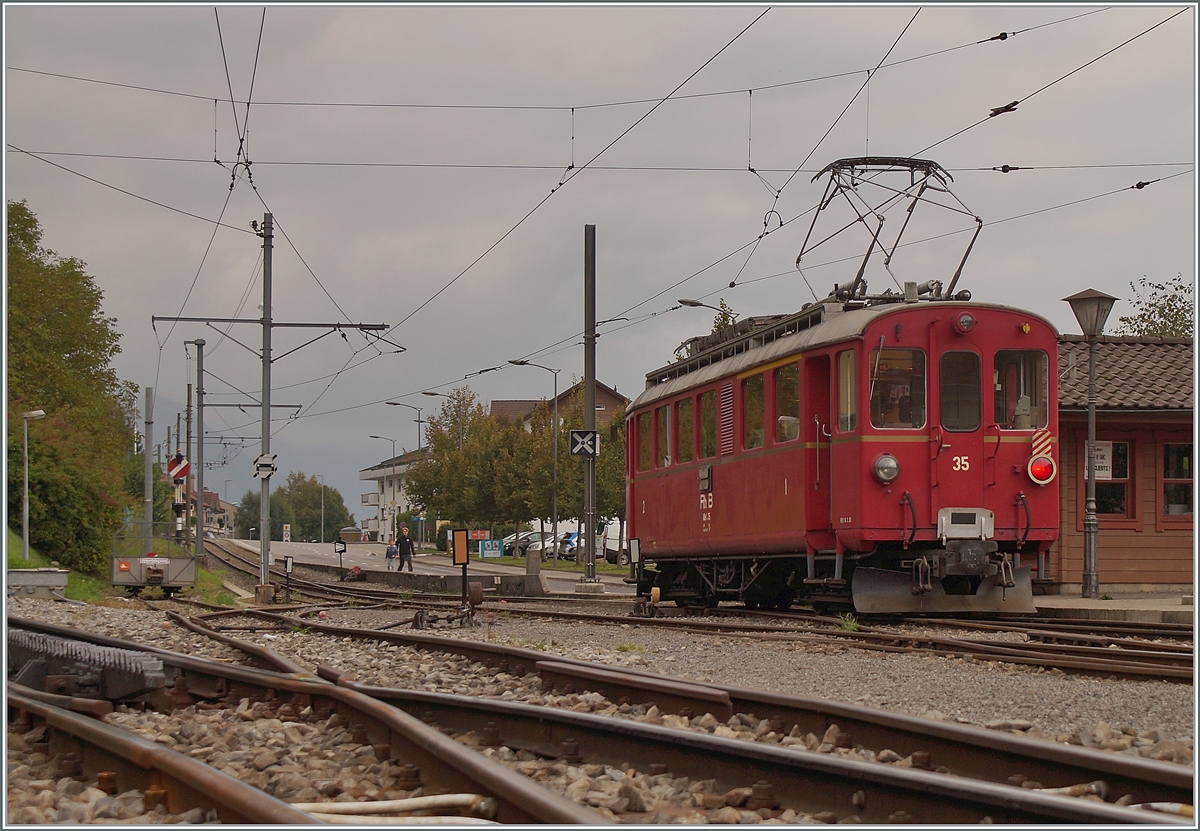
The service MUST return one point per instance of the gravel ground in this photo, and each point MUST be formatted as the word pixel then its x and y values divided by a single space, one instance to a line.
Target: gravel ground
pixel 1151 718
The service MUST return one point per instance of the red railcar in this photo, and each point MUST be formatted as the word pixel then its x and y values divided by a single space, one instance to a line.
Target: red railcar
pixel 897 455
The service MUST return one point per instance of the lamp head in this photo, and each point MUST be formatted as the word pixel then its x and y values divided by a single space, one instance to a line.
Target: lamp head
pixel 34 414
pixel 1091 308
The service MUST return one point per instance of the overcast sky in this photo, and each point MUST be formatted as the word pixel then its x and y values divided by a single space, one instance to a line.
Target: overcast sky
pixel 412 157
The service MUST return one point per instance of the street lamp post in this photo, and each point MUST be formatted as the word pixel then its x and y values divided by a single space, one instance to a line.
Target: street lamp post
pixel 393 505
pixel 696 304
pixel 1091 309
pixel 418 419
pixel 32 415
pixel 535 568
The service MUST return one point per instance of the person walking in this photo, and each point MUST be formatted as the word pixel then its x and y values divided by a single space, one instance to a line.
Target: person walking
pixel 407 549
pixel 390 554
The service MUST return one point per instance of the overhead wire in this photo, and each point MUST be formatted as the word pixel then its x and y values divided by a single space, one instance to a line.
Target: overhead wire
pixel 553 107
pixel 1011 107
pixel 571 174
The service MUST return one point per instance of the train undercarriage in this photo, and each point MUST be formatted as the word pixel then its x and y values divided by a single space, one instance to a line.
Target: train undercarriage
pixel 965 576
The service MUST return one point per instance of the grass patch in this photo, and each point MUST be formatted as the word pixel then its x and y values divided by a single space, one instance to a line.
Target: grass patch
pixel 848 623
pixel 630 647
pixel 528 644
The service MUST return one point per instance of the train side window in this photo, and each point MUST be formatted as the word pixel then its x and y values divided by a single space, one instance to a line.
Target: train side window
pixel 847 390
pixel 685 427
pixel 897 388
pixel 645 437
pixel 663 416
pixel 1021 385
pixel 708 424
pixel 961 391
pixel 787 403
pixel 752 412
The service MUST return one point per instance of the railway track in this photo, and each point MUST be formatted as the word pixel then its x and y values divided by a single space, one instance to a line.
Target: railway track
pixel 82 748
pixel 736 775
pixel 1075 646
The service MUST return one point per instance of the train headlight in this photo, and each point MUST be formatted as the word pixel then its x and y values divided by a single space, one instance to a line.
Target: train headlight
pixel 886 468
pixel 1042 470
pixel 964 322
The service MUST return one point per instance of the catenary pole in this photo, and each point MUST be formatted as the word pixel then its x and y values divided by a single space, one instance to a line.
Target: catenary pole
pixel 589 398
pixel 264 506
pixel 148 480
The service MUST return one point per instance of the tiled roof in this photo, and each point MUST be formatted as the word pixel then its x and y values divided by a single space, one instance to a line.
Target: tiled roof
pixel 1136 373
pixel 512 410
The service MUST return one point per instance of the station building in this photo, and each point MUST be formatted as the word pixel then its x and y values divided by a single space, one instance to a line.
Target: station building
pixel 1145 494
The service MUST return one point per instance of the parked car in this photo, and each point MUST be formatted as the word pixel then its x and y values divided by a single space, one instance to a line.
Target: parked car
pixel 523 541
pixel 616 558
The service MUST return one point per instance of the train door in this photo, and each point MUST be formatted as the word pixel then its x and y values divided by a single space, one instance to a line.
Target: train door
pixel 957 439
pixel 818 469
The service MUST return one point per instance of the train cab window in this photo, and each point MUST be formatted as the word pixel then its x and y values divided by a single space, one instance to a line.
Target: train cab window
pixel 1022 389
pixel 787 403
pixel 685 427
pixel 663 418
pixel 961 391
pixel 847 391
pixel 752 412
pixel 645 439
pixel 897 388
pixel 708 424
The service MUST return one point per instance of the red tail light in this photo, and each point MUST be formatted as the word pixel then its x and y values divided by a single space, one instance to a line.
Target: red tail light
pixel 1042 470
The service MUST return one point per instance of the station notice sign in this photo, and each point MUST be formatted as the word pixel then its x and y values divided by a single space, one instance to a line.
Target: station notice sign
pixel 490 548
pixel 480 534
pixel 1104 459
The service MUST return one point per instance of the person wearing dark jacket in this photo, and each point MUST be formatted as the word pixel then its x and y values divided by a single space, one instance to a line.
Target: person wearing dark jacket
pixel 406 548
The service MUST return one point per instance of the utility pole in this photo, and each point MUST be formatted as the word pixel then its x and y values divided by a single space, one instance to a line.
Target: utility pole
pixel 148 481
pixel 187 485
pixel 263 592
pixel 265 463
pixel 199 342
pixel 590 582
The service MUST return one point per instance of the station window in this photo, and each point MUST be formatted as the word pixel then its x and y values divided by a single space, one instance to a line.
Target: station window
pixel 847 391
pixel 1177 479
pixel 663 418
pixel 752 412
pixel 686 427
pixel 1112 493
pixel 708 424
pixel 787 403
pixel 897 388
pixel 1022 389
pixel 961 391
pixel 645 437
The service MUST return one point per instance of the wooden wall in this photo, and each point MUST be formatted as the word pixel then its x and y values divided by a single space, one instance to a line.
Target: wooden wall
pixel 1145 552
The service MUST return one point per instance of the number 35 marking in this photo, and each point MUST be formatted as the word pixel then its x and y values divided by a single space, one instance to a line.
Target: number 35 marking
pixel 961 463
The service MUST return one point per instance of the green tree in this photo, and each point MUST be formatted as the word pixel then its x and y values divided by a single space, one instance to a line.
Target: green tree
pixel 1160 309
pixel 447 482
pixel 725 317
pixel 304 495
pixel 60 351
pixel 164 492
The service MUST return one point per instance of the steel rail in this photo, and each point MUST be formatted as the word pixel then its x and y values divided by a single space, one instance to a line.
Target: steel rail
pixel 806 781
pixel 963 750
pixel 444 763
pixel 1095 660
pixel 812 782
pixel 151 767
